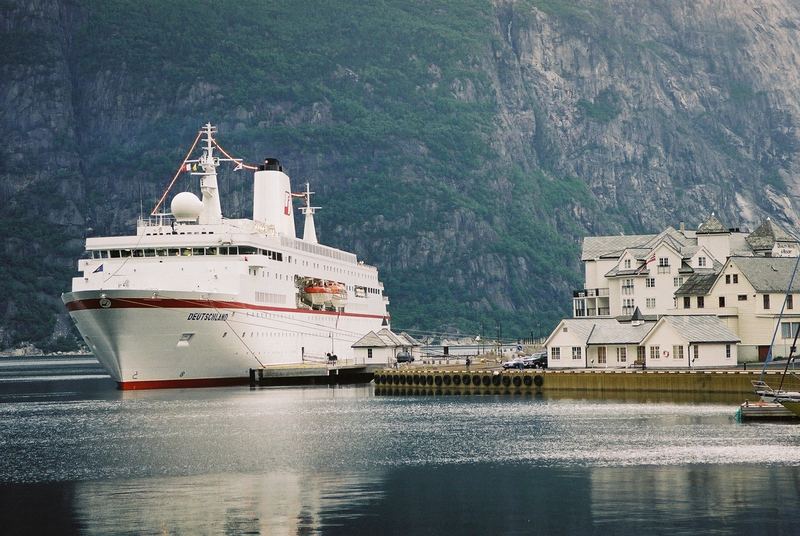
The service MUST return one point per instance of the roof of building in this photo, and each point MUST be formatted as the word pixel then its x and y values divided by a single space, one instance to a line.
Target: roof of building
pixel 697 284
pixel 712 226
pixel 598 331
pixel 769 274
pixel 765 236
pixel 385 339
pixel 598 246
pixel 700 328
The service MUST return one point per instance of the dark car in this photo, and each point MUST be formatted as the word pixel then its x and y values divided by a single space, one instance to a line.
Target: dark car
pixel 537 360
pixel 404 357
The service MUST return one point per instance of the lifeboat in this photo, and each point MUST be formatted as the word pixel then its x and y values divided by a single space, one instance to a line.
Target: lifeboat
pixel 318 294
pixel 338 293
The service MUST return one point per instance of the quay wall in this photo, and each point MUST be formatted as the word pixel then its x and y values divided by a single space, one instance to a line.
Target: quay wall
pixel 677 381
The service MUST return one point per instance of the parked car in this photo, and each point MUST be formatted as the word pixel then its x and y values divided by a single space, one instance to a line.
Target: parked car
pixel 516 363
pixel 537 360
pixel 404 357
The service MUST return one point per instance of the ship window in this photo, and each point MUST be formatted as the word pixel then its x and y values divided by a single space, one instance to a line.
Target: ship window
pixel 161 252
pixel 211 251
pixel 186 251
pixel 149 253
pixel 114 253
pixel 138 253
pixel 125 253
pixel 198 251
pixel 246 250
pixel 173 252
pixel 233 250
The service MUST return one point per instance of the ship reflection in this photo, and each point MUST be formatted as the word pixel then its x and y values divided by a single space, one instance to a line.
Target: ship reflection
pixel 268 503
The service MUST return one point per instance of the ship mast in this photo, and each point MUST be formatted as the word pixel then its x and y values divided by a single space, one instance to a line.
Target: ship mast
pixel 309 229
pixel 212 211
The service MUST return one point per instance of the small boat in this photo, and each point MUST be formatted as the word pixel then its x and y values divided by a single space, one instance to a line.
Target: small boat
pixel 318 294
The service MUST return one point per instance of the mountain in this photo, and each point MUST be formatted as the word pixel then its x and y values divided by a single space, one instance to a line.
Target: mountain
pixel 464 147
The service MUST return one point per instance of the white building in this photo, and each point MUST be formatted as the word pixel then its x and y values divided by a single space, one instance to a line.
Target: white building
pixel 644 271
pixel 677 341
pixel 385 346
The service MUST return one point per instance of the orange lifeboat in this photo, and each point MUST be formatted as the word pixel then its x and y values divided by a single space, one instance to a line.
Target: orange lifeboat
pixel 318 294
pixel 338 293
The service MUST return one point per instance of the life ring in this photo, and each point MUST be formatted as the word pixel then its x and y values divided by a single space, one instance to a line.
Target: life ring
pixel 665 354
pixel 538 380
pixel 517 381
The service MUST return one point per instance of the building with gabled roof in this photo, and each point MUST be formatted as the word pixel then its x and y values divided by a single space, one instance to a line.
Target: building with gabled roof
pixel 625 272
pixel 384 346
pixel 690 341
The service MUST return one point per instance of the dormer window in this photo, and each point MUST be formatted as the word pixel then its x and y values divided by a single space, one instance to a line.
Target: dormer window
pixel 701 262
pixel 627 264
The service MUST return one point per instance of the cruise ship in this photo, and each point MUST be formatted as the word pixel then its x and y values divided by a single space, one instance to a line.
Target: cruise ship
pixel 196 299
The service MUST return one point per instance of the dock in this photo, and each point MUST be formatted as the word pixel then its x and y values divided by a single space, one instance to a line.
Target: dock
pixel 488 380
pixel 764 411
pixel 312 374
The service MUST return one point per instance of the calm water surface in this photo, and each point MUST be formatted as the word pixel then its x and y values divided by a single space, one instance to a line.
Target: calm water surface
pixel 78 456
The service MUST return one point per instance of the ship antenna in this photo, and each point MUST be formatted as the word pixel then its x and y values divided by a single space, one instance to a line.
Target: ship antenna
pixel 309 229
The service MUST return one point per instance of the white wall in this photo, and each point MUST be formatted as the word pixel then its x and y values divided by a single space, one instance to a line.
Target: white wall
pixel 665 337
pixel 566 341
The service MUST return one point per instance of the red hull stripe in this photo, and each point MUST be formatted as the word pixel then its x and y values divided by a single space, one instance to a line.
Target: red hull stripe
pixel 170 303
pixel 180 384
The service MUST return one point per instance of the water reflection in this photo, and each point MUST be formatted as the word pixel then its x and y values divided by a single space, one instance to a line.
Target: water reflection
pixel 271 503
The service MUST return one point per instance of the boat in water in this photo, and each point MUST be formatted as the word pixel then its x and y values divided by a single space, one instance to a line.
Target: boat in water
pixel 197 299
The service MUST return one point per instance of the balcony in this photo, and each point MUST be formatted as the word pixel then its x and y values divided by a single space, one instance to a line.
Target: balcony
pixel 591 312
pixel 590 293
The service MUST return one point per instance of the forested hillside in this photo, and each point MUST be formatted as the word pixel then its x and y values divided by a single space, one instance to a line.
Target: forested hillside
pixel 463 147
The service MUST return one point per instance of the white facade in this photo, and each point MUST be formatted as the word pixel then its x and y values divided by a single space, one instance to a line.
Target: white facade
pixel 667 347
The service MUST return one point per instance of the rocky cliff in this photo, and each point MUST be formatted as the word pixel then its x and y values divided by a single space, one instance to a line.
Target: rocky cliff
pixel 464 147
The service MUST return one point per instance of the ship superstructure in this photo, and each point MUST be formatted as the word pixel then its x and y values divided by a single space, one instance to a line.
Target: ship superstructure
pixel 198 299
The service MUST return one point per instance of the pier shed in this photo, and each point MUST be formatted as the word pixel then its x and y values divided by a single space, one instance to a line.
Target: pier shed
pixel 384 346
pixel 690 341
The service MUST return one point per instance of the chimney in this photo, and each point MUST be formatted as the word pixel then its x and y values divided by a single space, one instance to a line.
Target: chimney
pixel 683 227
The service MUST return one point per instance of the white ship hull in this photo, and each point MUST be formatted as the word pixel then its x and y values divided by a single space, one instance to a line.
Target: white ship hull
pixel 202 340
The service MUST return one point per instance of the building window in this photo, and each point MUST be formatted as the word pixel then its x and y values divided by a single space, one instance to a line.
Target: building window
pixel 654 352
pixel 555 352
pixel 695 351
pixel 650 282
pixel 789 329
pixel 651 303
pixel 601 355
pixel 576 352
pixel 677 352
pixel 622 355
pixel 663 265
pixel 627 263
pixel 766 301
pixel 722 301
pixel 687 302
pixel 627 286
pixel 790 301
pixel 727 279
pixel 677 281
pixel 727 351
pixel 369 353
pixel 735 278
pixel 701 302
pixel 640 354
pixel 627 306
pixel 742 297
pixel 701 262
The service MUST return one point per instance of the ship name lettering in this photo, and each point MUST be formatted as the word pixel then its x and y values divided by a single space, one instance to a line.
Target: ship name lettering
pixel 207 316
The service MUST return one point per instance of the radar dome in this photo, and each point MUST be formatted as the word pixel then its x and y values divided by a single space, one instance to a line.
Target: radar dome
pixel 186 206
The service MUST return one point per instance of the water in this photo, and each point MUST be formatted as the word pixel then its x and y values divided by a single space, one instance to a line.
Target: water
pixel 79 457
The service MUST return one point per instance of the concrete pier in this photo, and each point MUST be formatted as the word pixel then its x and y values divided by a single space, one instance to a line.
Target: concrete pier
pixel 674 381
pixel 312 374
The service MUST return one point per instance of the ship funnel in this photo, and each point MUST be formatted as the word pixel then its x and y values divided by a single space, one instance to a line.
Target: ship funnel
pixel 272 197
